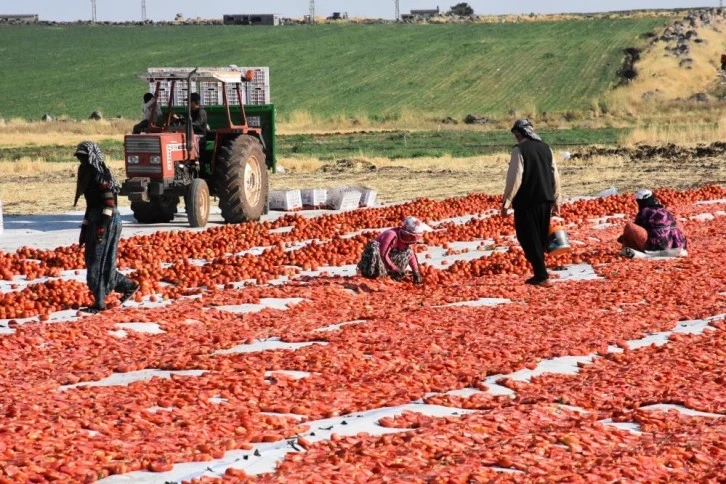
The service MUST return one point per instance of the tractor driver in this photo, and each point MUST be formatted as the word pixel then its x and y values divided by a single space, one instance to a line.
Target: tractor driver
pixel 199 115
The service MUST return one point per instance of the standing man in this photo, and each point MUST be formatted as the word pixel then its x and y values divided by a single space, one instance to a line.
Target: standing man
pixel 533 190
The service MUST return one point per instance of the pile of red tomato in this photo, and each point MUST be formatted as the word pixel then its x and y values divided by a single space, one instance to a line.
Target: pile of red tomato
pixel 407 341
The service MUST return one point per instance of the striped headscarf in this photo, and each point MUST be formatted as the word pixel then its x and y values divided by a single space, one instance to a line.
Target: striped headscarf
pixel 93 168
pixel 525 128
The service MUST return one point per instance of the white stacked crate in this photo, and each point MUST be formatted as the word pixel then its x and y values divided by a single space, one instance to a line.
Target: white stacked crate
pixel 210 93
pixel 256 91
pixel 346 201
pixel 180 92
pixel 344 198
pixel 180 88
pixel 368 198
pixel 314 197
pixel 285 200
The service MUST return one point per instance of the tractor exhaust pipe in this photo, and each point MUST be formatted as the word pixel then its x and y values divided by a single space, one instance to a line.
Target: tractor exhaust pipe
pixel 190 129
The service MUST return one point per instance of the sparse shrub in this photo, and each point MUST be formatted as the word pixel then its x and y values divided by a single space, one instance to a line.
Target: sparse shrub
pixel 462 10
pixel 570 115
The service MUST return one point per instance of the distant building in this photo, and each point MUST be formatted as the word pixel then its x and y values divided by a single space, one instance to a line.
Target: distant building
pixel 19 18
pixel 252 19
pixel 338 16
pixel 421 14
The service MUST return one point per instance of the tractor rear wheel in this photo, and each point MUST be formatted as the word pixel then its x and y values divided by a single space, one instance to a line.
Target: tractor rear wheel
pixel 198 203
pixel 241 180
pixel 158 210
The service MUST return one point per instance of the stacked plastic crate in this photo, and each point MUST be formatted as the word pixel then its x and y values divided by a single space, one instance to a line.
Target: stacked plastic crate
pixel 284 200
pixel 180 87
pixel 256 91
pixel 314 197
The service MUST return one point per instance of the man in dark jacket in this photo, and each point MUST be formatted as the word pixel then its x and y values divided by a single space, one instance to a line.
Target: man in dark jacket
pixel 533 190
pixel 199 115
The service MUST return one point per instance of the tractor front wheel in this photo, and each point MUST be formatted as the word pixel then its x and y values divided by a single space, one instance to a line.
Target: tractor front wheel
pixel 241 180
pixel 197 203
pixel 157 210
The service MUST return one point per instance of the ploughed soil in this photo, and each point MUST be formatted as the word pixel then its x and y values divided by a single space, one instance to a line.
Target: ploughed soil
pixel 645 153
pixel 588 171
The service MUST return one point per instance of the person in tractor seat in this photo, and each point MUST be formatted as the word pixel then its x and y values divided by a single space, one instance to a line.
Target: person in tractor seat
pixel 654 228
pixel 391 252
pixel 152 114
pixel 200 127
pixel 199 115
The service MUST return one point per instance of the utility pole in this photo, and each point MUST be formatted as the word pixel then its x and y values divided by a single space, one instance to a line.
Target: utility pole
pixel 312 11
pixel 143 10
pixel 93 11
pixel 398 11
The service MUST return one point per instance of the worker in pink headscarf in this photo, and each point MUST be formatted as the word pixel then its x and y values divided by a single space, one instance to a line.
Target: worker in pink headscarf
pixel 391 253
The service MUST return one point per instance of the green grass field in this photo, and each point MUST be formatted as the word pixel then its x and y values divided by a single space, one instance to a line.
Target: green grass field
pixel 379 71
pixel 419 144
pixel 392 145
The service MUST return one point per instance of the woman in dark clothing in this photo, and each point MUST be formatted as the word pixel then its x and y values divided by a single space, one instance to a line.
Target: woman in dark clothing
pixel 101 229
pixel 654 228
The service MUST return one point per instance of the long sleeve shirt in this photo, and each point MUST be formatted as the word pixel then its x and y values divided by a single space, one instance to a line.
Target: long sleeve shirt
pixel 663 234
pixel 515 172
pixel 388 241
pixel 149 115
pixel 99 198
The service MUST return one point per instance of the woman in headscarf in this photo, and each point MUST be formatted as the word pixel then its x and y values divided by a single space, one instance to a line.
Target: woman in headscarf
pixel 390 254
pixel 654 228
pixel 101 229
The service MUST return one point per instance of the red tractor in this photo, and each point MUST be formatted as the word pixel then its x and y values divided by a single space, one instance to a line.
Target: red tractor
pixel 168 160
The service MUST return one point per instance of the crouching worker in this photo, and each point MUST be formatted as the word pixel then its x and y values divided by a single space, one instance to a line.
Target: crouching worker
pixel 391 253
pixel 101 229
pixel 654 228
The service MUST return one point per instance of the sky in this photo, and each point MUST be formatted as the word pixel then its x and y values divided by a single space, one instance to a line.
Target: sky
pixel 158 10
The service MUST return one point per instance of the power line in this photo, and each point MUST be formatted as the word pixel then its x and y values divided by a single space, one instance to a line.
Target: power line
pixel 143 10
pixel 312 11
pixel 93 11
pixel 398 11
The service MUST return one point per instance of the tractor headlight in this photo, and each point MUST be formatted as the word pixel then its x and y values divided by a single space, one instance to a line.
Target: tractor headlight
pixel 155 160
pixel 132 159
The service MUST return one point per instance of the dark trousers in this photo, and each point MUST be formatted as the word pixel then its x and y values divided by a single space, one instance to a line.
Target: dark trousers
pixel 140 127
pixel 532 225
pixel 102 276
